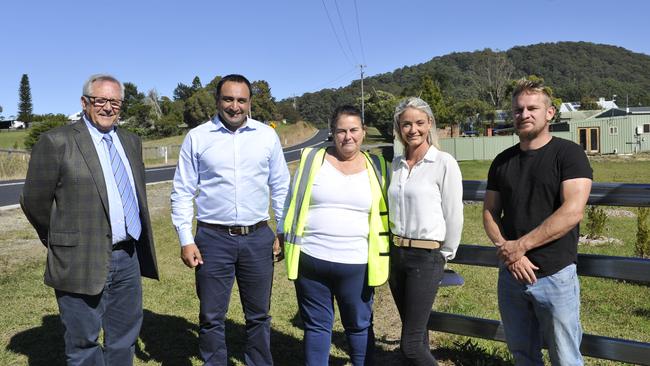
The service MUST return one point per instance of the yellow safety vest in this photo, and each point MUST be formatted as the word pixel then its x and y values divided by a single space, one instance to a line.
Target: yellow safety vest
pixel 296 215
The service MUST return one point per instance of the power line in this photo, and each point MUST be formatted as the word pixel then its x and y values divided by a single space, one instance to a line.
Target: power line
pixel 336 34
pixel 340 77
pixel 356 12
pixel 345 33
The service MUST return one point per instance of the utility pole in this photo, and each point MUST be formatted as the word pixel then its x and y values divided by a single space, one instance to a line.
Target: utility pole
pixel 363 115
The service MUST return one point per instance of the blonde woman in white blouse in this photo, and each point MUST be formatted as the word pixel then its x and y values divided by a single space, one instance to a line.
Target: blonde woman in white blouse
pixel 426 218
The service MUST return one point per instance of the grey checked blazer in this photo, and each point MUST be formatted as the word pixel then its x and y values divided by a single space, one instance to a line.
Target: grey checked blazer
pixel 65 199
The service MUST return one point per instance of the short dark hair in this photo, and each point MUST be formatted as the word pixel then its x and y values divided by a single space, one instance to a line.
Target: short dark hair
pixel 344 110
pixel 235 78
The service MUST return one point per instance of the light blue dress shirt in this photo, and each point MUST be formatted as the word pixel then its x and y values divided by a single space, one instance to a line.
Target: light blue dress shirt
pixel 118 226
pixel 230 176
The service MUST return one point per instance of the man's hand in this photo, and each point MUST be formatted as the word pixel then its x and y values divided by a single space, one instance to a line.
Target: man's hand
pixel 278 248
pixel 191 256
pixel 511 251
pixel 523 270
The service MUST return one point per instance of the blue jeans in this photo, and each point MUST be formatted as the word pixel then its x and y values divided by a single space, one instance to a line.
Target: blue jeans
pixel 318 283
pixel 249 258
pixel 117 310
pixel 545 312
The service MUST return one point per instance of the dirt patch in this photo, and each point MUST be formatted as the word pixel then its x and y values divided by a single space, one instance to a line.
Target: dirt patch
pixel 19 243
pixel 293 134
pixel 643 156
pixel 618 212
pixel 599 241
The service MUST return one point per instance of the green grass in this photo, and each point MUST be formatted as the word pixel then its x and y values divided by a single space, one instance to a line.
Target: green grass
pixel 165 141
pixel 12 139
pixel 30 332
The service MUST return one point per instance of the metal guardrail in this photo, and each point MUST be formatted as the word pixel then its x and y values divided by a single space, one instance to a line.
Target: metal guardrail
pixel 604 194
pixel 619 268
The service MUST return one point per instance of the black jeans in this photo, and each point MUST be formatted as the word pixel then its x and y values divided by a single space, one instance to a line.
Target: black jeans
pixel 415 275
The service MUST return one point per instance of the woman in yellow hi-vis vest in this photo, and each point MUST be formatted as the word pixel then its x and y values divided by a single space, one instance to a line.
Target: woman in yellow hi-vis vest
pixel 336 239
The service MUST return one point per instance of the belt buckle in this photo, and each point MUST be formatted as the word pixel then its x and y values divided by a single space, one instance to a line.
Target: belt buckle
pixel 237 230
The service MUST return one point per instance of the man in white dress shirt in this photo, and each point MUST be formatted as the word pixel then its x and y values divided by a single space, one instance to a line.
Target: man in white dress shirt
pixel 230 167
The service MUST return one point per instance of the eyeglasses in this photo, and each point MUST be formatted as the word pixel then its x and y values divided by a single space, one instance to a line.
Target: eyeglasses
pixel 100 102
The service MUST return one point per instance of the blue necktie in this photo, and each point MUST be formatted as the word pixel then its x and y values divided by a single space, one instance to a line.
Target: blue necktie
pixel 131 212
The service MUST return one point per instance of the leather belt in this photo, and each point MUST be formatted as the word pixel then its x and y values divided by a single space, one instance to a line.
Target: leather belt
pixel 233 230
pixel 399 241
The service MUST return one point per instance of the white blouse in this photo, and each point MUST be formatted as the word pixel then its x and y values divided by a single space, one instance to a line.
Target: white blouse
pixel 427 202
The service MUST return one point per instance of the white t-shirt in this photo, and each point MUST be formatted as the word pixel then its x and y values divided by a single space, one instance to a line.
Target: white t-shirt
pixel 337 222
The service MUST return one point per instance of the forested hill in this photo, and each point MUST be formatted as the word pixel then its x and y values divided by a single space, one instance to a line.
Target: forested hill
pixel 574 70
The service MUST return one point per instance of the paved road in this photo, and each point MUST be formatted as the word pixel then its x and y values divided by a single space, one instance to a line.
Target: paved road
pixel 10 190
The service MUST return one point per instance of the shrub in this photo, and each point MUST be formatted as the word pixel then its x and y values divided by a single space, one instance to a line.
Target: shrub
pixel 642 246
pixel 37 129
pixel 596 220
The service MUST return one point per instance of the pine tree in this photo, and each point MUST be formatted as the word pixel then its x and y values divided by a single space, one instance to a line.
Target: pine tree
pixel 25 103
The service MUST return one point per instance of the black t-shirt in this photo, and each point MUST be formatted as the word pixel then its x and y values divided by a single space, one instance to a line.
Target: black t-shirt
pixel 529 184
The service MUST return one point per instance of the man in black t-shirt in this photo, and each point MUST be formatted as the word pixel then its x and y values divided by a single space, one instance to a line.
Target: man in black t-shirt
pixel 536 195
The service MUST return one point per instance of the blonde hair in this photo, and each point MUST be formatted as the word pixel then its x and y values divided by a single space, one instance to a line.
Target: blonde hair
pixel 420 105
pixel 526 86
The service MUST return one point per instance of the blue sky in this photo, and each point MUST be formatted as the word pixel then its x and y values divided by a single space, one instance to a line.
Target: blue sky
pixel 291 44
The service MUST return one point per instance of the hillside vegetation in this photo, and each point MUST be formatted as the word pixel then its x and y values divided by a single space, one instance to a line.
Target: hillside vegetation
pixel 575 70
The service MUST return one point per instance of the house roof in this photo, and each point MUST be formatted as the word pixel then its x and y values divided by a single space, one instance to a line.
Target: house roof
pixel 612 112
pixel 639 110
pixel 577 115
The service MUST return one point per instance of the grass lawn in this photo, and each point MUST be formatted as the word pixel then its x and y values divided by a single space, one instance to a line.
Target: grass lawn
pixel 30 332
pixel 12 139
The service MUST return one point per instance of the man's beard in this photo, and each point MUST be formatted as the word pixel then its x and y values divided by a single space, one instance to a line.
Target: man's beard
pixel 530 135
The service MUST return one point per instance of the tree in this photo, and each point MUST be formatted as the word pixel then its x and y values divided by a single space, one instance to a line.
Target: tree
pixel 379 111
pixel 491 73
pixel 25 100
pixel 196 84
pixel 440 105
pixel 588 103
pixel 172 117
pixel 36 131
pixel 473 112
pixel 183 92
pixel 211 87
pixel 199 108
pixel 288 112
pixel 49 117
pixel 152 101
pixel 263 106
pixel 132 97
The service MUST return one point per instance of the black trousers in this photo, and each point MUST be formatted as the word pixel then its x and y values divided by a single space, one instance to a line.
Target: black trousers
pixel 415 275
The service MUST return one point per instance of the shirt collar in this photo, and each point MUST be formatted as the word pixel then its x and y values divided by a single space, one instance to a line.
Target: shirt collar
pixel 219 125
pixel 430 156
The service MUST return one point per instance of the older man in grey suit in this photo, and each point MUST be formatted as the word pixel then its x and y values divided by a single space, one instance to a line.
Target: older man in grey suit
pixel 85 196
